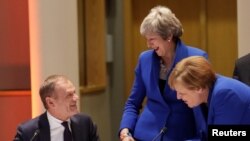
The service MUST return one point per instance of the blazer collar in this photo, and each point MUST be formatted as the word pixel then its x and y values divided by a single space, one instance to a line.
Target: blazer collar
pixel 75 129
pixel 44 127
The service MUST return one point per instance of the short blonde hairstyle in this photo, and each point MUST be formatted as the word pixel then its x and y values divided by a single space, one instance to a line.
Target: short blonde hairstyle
pixel 194 72
pixel 162 21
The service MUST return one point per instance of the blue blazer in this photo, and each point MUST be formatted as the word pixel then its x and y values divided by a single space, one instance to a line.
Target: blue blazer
pixel 160 111
pixel 228 104
pixel 82 127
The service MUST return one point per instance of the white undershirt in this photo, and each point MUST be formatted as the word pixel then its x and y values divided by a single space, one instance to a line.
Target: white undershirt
pixel 56 128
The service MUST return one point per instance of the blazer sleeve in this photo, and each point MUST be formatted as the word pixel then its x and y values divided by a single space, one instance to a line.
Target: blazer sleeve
pixel 226 108
pixel 19 135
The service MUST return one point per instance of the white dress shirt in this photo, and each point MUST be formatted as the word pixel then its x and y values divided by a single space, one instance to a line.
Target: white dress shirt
pixel 56 128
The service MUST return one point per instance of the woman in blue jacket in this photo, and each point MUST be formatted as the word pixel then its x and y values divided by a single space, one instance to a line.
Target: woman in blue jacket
pixel 163 116
pixel 226 101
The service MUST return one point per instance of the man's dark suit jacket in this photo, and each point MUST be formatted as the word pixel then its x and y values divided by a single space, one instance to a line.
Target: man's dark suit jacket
pixel 242 69
pixel 83 129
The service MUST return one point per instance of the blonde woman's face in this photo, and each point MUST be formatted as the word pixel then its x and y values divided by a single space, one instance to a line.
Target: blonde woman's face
pixel 155 42
pixel 191 97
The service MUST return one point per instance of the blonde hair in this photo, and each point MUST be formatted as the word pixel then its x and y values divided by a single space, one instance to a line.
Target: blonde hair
pixel 162 21
pixel 194 72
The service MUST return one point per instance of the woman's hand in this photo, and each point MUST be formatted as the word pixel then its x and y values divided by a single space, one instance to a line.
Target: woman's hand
pixel 125 135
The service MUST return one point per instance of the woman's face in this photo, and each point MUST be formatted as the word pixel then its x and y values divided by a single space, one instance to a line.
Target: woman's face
pixel 192 97
pixel 159 45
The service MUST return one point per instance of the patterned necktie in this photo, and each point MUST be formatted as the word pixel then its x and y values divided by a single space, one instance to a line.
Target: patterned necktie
pixel 67 134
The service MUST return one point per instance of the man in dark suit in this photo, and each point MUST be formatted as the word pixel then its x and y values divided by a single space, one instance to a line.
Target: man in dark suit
pixel 59 98
pixel 242 69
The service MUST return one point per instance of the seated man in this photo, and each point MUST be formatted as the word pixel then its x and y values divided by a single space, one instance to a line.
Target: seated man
pixel 242 69
pixel 61 121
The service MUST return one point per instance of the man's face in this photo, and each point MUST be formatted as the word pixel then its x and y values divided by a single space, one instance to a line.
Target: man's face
pixel 65 100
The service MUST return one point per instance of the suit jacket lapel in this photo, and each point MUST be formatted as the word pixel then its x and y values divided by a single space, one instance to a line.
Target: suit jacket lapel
pixel 154 77
pixel 155 71
pixel 201 123
pixel 77 136
pixel 44 127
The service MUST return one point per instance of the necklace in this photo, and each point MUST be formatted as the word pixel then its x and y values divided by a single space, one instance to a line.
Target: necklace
pixel 163 71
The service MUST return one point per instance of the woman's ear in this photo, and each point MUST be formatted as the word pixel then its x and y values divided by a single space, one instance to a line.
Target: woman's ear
pixel 200 90
pixel 169 38
pixel 203 92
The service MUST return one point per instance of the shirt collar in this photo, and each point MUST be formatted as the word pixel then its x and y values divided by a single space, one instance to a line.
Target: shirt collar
pixel 54 122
